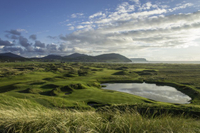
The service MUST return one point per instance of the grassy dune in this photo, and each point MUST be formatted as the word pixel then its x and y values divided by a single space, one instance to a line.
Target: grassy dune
pixel 67 97
pixel 26 117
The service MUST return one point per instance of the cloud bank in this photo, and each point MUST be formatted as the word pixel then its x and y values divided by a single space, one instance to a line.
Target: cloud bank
pixel 129 30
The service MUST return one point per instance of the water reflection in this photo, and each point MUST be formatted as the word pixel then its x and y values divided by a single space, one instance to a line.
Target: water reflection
pixel 151 91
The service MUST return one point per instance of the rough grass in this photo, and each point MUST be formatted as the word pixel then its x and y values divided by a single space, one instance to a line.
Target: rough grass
pixel 27 106
pixel 21 119
pixel 48 79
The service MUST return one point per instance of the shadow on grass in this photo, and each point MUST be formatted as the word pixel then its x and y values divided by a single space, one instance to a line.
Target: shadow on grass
pixel 121 73
pixel 7 88
pixel 96 104
pixel 46 93
pixel 37 83
pixel 31 90
pixel 152 112
pixel 49 79
pixel 49 86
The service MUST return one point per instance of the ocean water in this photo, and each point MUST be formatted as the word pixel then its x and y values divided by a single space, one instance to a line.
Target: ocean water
pixel 168 62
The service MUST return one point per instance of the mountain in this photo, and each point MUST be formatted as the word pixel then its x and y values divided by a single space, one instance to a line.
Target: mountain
pixel 52 57
pixel 138 60
pixel 76 57
pixel 112 58
pixel 11 57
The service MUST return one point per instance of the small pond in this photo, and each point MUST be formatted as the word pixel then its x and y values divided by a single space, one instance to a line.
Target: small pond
pixel 151 91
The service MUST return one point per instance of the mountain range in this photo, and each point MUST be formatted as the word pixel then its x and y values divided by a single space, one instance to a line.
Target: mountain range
pixel 76 57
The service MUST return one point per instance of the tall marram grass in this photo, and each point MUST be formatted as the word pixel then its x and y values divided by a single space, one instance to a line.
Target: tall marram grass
pixel 26 117
pixel 25 120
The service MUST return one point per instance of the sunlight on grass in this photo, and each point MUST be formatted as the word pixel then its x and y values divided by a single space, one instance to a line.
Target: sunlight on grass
pixel 67 97
pixel 22 119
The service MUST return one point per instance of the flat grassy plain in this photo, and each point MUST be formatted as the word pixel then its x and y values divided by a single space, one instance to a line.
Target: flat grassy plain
pixel 67 97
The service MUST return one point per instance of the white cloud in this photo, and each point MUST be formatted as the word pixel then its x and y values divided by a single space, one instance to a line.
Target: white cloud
pixel 80 50
pixel 87 22
pixel 175 31
pixel 136 1
pixel 155 22
pixel 76 15
pixel 63 22
pixel 131 16
pixel 149 5
pixel 69 25
pixel 136 28
pixel 85 27
pixel 98 14
pixel 73 15
pixel 22 30
pixel 80 27
pixel 182 6
pixel 125 7
pixel 71 28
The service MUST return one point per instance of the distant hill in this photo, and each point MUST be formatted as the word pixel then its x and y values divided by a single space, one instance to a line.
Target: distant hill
pixel 76 57
pixel 52 57
pixel 11 57
pixel 112 58
pixel 138 60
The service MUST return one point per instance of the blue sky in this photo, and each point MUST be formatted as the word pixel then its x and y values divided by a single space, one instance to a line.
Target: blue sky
pixel 152 29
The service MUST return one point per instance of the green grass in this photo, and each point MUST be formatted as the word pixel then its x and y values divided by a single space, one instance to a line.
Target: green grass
pixel 26 118
pixel 92 74
pixel 31 91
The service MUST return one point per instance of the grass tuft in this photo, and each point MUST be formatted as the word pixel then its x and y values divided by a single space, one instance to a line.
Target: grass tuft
pixel 23 119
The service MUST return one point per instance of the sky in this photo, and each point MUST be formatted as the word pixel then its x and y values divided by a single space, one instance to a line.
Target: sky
pixel 158 30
